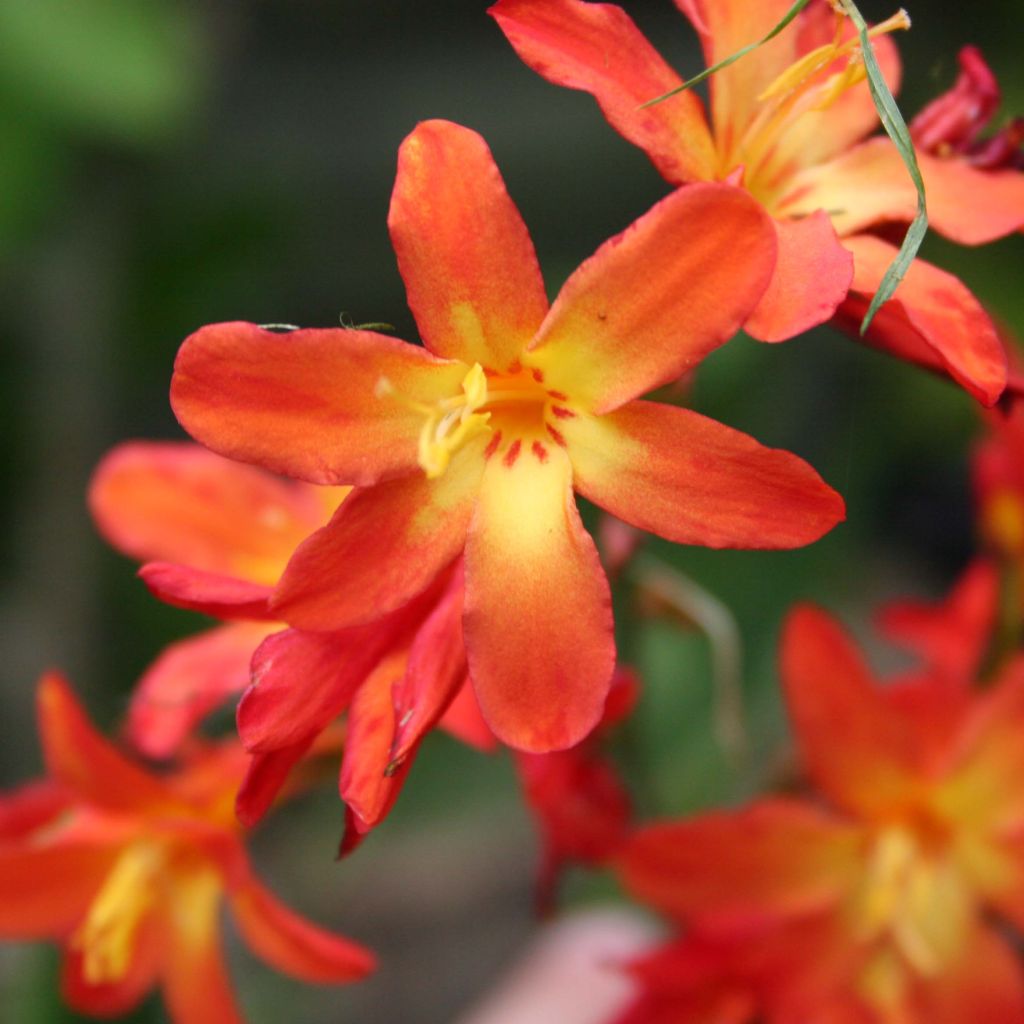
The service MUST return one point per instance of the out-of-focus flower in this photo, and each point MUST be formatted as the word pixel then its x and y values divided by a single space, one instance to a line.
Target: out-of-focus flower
pixel 788 124
pixel 878 907
pixel 580 804
pixel 128 871
pixel 475 444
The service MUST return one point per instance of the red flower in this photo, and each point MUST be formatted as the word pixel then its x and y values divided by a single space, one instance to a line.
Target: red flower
pixel 476 444
pixel 127 871
pixel 788 123
pixel 879 904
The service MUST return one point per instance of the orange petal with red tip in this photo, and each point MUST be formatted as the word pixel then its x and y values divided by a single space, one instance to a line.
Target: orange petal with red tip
pixel 812 275
pixel 113 998
pixel 725 26
pixel 860 752
pixel 597 48
pixel 470 270
pixel 268 772
pixel 365 784
pixel 435 671
pixel 695 481
pixel 174 502
pixel 740 870
pixel 80 758
pixel 301 681
pixel 652 302
pixel 224 597
pixel 384 546
pixel 950 636
pixel 933 320
pixel 309 404
pixel 196 985
pixel 46 890
pixel 869 185
pixel 187 681
pixel 31 806
pixel 292 944
pixel 538 621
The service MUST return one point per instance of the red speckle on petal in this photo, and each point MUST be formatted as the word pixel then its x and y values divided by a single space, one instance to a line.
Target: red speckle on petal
pixel 516 367
pixel 562 413
pixel 556 436
pixel 538 376
pixel 540 451
pixel 558 396
pixel 513 453
pixel 492 445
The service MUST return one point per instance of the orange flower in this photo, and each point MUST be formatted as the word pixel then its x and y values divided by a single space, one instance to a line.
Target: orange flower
pixel 476 443
pixel 878 905
pixel 222 533
pixel 788 123
pixel 128 871
pixel 215 537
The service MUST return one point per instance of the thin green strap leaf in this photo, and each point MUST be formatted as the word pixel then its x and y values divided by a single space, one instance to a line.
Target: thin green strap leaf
pixel 896 128
pixel 732 58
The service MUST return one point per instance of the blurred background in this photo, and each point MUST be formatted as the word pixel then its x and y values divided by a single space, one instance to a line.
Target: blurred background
pixel 166 164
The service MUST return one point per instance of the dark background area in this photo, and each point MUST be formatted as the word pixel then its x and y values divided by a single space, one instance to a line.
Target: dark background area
pixel 168 164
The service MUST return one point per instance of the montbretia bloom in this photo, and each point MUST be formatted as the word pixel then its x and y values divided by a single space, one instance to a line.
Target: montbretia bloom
pixel 475 443
pixel 128 872
pixel 788 125
pixel 875 901
pixel 215 536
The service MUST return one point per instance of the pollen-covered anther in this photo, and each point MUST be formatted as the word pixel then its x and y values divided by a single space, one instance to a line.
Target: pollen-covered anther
pixel 106 937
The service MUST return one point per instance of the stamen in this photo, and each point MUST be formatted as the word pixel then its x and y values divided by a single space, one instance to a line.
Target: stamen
pixel 106 937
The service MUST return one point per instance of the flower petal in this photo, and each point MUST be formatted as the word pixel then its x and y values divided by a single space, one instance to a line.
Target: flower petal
pixel 265 778
pixel 869 185
pixel 737 870
pixel 292 944
pixel 365 784
pixel 813 273
pixel 932 320
pixel 308 403
pixel 469 267
pixel 857 748
pixel 725 26
pixel 46 890
pixel 695 481
pixel 385 545
pixel 950 636
pixel 436 670
pixel 464 720
pixel 195 981
pixel 190 679
pixel 79 757
pixel 983 983
pixel 174 502
pixel 538 622
pixel 223 597
pixel 111 999
pixel 652 302
pixel 597 48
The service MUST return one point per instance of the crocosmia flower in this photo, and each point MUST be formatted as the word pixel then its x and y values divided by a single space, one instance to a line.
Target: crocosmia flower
pixel 215 536
pixel 128 872
pixel 473 445
pixel 878 902
pixel 788 124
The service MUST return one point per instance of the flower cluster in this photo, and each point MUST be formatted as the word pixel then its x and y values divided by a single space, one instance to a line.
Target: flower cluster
pixel 388 535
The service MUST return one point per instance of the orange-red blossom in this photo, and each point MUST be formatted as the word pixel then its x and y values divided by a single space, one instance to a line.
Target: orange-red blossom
pixel 880 904
pixel 474 445
pixel 788 125
pixel 128 872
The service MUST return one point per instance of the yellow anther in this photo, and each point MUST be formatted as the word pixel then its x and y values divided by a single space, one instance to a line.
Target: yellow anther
pixel 106 937
pixel 452 422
